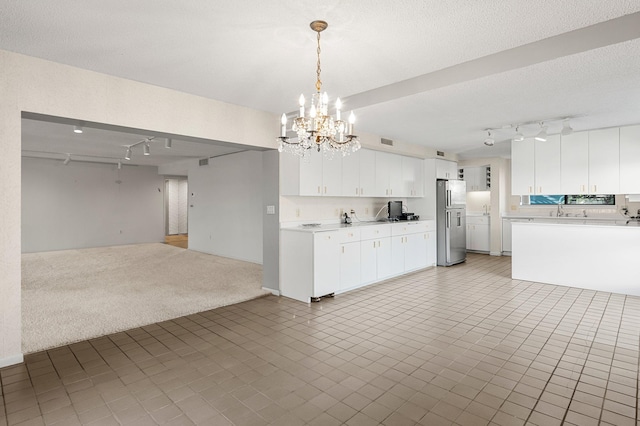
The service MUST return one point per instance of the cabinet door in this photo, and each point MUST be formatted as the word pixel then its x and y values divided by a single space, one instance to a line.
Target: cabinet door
pixel 367 172
pixel 469 236
pixel 412 177
pixel 547 166
pixel 481 237
pixel 446 169
pixel 522 167
pixel 368 261
pixel 326 263
pixel 431 248
pixel 630 160
pixel 396 188
pixel 351 174
pixel 506 235
pixel 384 258
pixel 311 174
pixel 604 161
pixel 349 265
pixel 332 176
pixel 382 174
pixel 398 248
pixel 574 163
pixel 416 251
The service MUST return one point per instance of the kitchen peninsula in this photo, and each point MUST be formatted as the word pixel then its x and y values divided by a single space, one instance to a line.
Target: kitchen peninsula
pixel 602 256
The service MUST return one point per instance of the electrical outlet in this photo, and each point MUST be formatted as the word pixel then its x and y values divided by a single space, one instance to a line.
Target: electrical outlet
pixel 353 211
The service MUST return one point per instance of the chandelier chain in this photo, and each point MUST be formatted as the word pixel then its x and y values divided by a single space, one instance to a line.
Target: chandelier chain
pixel 318 82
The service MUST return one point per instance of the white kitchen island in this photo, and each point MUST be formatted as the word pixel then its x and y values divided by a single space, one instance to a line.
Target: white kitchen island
pixel 604 256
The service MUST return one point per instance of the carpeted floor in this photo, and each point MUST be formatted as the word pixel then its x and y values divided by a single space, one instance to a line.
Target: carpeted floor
pixel 74 295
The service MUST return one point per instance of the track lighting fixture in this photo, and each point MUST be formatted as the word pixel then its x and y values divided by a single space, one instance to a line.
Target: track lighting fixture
pixel 77 129
pixel 127 156
pixel 519 137
pixel 489 141
pixel 66 160
pixel 167 143
pixel 566 127
pixel 542 135
pixel 146 148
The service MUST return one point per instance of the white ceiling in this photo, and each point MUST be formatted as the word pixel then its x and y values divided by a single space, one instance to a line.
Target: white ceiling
pixel 431 72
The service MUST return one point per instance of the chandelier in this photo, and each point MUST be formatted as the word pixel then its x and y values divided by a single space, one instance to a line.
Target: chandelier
pixel 315 128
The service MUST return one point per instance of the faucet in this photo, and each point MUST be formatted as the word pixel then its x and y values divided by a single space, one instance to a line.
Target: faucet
pixel 559 212
pixel 584 213
pixel 486 209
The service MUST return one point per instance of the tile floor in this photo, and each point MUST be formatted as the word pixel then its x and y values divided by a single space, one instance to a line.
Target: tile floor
pixel 463 345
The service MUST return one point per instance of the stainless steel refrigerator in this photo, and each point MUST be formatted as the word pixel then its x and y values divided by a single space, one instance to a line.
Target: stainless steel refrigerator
pixel 451 203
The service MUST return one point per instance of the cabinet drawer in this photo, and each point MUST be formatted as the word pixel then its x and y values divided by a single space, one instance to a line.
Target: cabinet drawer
pixel 478 220
pixel 349 235
pixel 408 228
pixel 375 231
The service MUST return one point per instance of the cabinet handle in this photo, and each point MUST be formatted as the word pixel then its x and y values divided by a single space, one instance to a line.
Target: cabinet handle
pixel 539 190
pixel 325 189
pixel 342 249
pixel 581 188
pixel 374 244
pixel 361 191
pixel 391 192
pixel 530 190
pixel 356 191
pixel 595 188
pixel 319 192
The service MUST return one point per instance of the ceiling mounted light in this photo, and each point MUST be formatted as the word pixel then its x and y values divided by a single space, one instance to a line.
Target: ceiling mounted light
pixel 566 127
pixel 127 156
pixel 66 160
pixel 146 148
pixel 77 129
pixel 489 141
pixel 542 136
pixel 167 143
pixel 316 128
pixel 519 137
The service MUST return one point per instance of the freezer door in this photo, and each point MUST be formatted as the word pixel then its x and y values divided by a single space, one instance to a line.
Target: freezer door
pixel 456 194
pixel 456 238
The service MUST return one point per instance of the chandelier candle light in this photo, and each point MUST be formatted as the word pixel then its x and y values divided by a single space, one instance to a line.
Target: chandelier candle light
pixel 317 128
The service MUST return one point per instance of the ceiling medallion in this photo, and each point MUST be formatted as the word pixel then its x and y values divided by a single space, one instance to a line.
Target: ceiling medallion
pixel 315 128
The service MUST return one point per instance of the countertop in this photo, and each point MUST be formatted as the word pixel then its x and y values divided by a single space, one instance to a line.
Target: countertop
pixel 578 221
pixel 319 227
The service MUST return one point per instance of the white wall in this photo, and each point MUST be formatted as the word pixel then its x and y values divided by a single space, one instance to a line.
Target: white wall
pixel 226 214
pixel 89 205
pixel 44 87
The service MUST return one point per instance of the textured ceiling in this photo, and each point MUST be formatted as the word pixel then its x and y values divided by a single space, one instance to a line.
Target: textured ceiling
pixel 500 65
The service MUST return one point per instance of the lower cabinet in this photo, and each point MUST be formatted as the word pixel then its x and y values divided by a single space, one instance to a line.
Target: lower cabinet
pixel 321 263
pixel 478 235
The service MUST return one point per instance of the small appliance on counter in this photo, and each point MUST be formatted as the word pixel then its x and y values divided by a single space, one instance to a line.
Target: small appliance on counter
pixel 396 212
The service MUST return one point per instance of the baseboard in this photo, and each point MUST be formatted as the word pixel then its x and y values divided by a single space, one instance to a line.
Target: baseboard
pixel 274 292
pixel 495 253
pixel 12 360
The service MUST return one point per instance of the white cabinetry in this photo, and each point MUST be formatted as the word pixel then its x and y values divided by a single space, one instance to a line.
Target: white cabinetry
pixel 478 236
pixel 388 175
pixel 412 177
pixel 313 175
pixel 351 174
pixel 476 178
pixel 446 169
pixel 349 259
pixel 523 167
pixel 506 236
pixel 367 172
pixel 375 252
pixel 315 264
pixel 574 163
pixel 604 161
pixel 547 166
pixel 630 160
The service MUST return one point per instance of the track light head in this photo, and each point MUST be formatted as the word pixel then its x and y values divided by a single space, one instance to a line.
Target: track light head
pixel 167 143
pixel 489 141
pixel 519 137
pixel 127 156
pixel 146 148
pixel 566 127
pixel 542 135
pixel 77 129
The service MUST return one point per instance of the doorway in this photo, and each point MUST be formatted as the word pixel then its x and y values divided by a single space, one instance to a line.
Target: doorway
pixel 176 212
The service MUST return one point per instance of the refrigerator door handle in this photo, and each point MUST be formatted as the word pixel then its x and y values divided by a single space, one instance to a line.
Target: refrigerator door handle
pixel 448 200
pixel 448 224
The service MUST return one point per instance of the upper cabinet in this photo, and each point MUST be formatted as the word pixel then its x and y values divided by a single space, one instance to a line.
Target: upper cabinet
pixel 477 178
pixel 605 161
pixel 630 160
pixel 446 169
pixel 365 173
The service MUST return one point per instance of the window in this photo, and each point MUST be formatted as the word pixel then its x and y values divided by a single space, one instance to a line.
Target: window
pixel 598 200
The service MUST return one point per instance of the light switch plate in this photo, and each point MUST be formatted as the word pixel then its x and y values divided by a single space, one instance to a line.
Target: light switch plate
pixel 271 209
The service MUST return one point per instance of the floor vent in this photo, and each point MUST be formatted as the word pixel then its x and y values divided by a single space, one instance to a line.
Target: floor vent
pixel 440 153
pixel 204 162
pixel 384 141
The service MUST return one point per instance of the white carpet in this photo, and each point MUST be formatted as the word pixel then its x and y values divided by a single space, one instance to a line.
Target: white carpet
pixel 74 295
